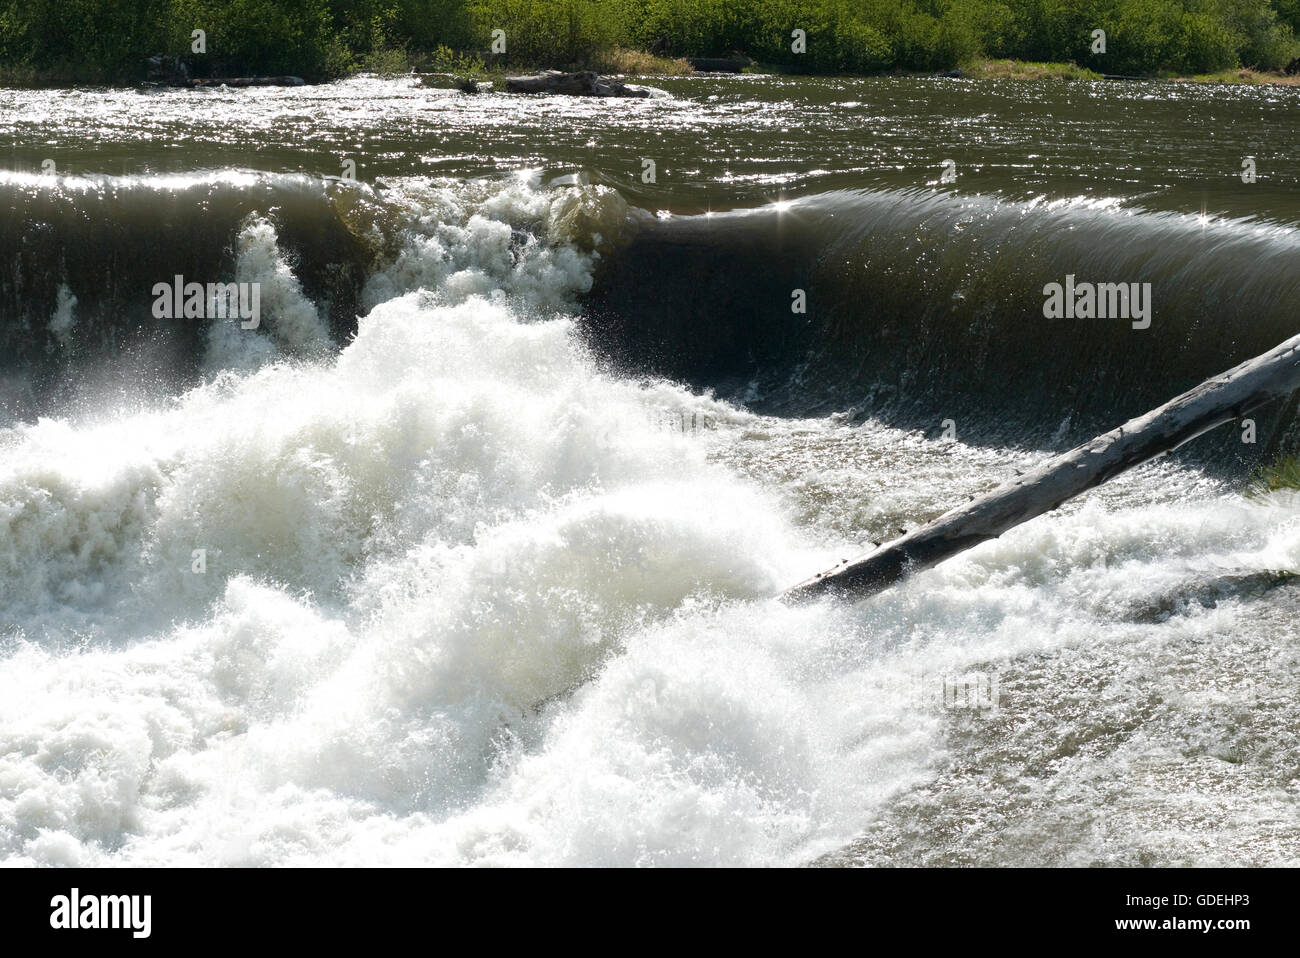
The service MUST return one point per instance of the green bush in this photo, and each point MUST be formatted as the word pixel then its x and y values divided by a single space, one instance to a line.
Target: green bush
pixel 427 24
pixel 84 39
pixel 550 31
pixel 1288 14
pixel 1261 38
pixel 321 38
pixel 256 37
pixel 861 48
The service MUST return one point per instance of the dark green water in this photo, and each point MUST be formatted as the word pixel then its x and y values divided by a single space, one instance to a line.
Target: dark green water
pixel 717 142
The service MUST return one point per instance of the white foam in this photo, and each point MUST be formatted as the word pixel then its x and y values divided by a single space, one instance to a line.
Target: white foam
pixel 289 323
pixel 505 237
pixel 62 320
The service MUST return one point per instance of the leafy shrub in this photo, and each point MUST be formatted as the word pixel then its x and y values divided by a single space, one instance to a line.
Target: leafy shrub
pixel 322 38
pixel 257 37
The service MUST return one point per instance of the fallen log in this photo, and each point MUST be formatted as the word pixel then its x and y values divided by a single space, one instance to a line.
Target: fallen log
pixel 173 72
pixel 246 81
pixel 582 83
pixel 1221 399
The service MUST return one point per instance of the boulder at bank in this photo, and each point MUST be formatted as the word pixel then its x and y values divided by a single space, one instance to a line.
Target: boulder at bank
pixel 582 83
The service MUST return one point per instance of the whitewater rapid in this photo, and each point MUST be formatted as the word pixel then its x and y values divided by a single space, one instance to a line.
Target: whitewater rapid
pixel 456 592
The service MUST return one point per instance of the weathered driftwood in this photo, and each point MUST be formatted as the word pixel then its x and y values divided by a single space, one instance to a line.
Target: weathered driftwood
pixel 247 81
pixel 1224 398
pixel 583 83
pixel 446 81
pixel 172 71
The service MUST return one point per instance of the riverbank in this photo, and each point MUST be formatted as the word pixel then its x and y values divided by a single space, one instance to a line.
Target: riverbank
pixel 635 64
pixel 44 42
pixel 1021 70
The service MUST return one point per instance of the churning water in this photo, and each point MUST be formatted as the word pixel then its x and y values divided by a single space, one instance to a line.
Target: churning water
pixel 467 553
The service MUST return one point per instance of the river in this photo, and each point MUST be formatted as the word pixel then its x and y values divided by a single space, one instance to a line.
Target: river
pixel 466 550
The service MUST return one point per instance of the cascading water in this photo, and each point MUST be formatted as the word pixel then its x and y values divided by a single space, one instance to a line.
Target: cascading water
pixel 467 553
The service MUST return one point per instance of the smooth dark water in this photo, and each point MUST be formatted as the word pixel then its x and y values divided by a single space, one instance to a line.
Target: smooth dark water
pixel 718 142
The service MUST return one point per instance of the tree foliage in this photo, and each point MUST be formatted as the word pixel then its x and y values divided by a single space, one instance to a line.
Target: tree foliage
pixel 109 39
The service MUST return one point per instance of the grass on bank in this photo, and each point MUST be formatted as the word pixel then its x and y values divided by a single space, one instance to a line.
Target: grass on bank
pixel 1024 70
pixel 398 61
pixel 637 63
pixel 1244 76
